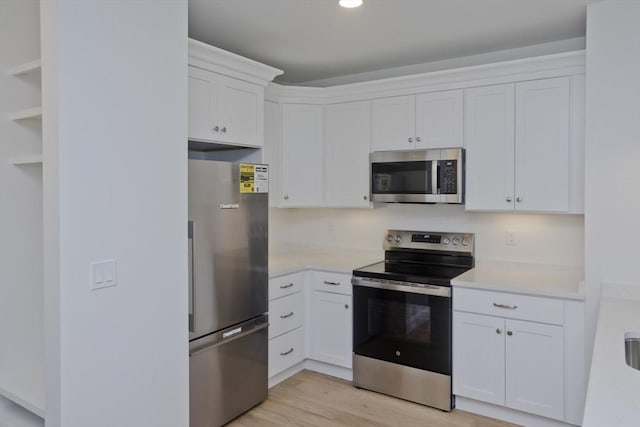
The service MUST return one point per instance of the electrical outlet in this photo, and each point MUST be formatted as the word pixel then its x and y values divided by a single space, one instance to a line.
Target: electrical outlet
pixel 510 238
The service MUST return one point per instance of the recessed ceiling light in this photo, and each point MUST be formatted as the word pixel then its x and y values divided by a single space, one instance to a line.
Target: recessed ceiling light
pixel 350 3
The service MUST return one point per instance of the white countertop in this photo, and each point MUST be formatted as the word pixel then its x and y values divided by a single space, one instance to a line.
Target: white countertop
pixel 613 394
pixel 340 260
pixel 523 278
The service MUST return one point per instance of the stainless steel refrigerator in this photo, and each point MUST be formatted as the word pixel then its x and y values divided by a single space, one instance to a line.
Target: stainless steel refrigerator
pixel 228 224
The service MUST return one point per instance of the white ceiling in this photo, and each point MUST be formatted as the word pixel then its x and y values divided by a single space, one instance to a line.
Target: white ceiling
pixel 317 39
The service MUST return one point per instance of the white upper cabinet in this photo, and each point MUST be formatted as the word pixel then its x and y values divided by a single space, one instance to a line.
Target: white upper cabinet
pixel 226 96
pixel 428 120
pixel 542 145
pixel 271 150
pixel 439 117
pixel 302 155
pixel 225 110
pixel 489 123
pixel 347 146
pixel 517 139
pixel 393 123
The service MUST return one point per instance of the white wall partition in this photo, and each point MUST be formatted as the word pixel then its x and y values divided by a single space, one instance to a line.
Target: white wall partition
pixel 115 180
pixel 612 149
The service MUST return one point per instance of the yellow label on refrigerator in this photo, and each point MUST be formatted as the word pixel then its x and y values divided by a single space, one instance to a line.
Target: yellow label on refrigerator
pixel 254 178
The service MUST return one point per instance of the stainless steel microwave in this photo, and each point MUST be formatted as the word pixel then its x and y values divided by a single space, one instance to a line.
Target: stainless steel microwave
pixel 418 176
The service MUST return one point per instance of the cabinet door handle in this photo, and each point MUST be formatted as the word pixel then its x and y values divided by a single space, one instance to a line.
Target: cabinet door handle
pixel 284 316
pixel 286 197
pixel 287 352
pixel 519 199
pixel 510 307
pixel 418 139
pixel 224 129
pixel 509 333
pixel 326 282
pixel 290 285
pixel 410 140
pixel 216 128
pixel 346 306
pixel 498 331
pixel 364 197
pixel 509 199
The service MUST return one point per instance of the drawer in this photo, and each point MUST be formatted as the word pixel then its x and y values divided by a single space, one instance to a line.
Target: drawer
pixel 285 351
pixel 285 314
pixel 285 285
pixel 512 306
pixel 338 283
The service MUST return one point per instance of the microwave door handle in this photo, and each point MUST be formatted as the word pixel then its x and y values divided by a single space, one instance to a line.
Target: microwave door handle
pixel 435 177
pixel 191 278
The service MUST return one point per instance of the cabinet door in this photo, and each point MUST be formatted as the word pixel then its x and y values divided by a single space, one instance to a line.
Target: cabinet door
pixel 240 112
pixel 478 357
pixel 534 368
pixel 489 141
pixel 271 150
pixel 200 104
pixel 302 163
pixel 331 328
pixel 347 144
pixel 393 125
pixel 542 145
pixel 439 119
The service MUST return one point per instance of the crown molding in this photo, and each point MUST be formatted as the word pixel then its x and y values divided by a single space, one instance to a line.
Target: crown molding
pixel 218 60
pixel 539 67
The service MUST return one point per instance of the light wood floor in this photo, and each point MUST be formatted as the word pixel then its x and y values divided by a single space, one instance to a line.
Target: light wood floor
pixel 312 399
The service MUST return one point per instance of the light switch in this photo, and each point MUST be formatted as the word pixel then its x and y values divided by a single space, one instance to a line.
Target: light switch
pixel 103 274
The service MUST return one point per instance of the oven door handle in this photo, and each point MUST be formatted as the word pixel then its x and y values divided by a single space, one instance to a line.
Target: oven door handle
pixel 437 291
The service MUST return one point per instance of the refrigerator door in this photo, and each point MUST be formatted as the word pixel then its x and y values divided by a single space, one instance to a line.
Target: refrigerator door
pixel 228 373
pixel 228 248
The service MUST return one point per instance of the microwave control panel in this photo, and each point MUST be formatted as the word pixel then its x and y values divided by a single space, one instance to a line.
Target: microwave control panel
pixel 448 176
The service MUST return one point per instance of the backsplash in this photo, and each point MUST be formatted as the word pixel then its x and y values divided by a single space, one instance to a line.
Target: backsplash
pixel 537 238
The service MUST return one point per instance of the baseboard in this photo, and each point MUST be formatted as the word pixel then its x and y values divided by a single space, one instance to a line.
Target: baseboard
pixel 506 414
pixel 328 369
pixel 312 365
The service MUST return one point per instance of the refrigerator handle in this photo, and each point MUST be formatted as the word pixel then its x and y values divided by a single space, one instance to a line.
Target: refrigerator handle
pixel 191 278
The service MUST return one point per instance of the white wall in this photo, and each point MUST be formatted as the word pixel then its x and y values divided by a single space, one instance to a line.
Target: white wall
pixel 21 292
pixel 540 238
pixel 115 131
pixel 612 149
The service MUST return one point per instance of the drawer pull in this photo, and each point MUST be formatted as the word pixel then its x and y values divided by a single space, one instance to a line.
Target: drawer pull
pixel 290 285
pixel 287 352
pixel 326 282
pixel 284 316
pixel 510 307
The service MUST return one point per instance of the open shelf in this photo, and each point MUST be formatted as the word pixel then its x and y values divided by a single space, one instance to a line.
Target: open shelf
pixel 31 159
pixel 26 68
pixel 34 113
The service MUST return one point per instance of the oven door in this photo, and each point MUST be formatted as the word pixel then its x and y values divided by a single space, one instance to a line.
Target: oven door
pixel 407 325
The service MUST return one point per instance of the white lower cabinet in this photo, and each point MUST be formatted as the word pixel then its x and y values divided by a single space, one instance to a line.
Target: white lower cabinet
pixel 331 328
pixel 285 351
pixel 509 362
pixel 286 322
pixel 502 359
pixel 534 368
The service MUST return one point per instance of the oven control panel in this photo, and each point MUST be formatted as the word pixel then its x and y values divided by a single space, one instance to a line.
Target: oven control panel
pixel 444 241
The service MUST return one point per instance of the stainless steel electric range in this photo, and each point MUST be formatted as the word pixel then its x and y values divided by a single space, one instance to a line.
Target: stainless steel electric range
pixel 402 316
